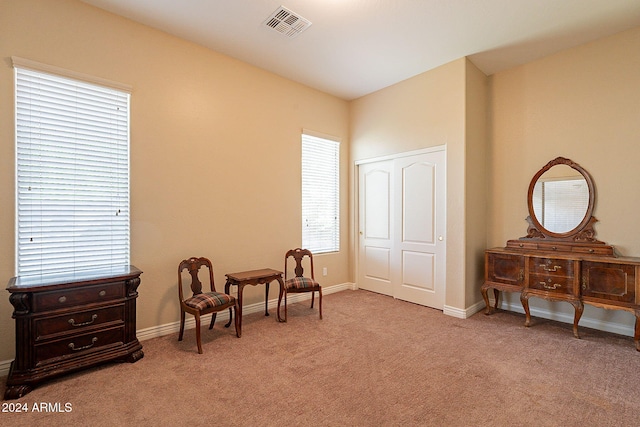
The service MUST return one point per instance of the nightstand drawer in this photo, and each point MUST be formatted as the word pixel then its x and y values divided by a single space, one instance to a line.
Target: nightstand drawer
pixel 80 295
pixel 555 284
pixel 552 267
pixel 53 351
pixel 77 322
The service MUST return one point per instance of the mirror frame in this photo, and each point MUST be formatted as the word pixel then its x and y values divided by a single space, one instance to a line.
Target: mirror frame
pixel 584 231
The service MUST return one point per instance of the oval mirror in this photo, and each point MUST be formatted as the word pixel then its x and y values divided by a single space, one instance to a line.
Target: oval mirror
pixel 561 198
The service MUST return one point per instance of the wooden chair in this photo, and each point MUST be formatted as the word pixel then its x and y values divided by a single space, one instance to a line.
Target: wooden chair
pixel 201 303
pixel 299 283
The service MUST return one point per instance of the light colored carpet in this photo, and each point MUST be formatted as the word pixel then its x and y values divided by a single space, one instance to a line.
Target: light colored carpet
pixel 372 361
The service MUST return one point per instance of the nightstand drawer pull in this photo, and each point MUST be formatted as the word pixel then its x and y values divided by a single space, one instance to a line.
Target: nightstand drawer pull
pixel 73 322
pixel 62 300
pixel 554 268
pixel 73 347
pixel 552 287
pixel 102 293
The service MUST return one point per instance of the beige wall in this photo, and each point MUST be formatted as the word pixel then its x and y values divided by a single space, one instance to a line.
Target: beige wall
pixel 584 104
pixel 425 111
pixel 476 184
pixel 215 149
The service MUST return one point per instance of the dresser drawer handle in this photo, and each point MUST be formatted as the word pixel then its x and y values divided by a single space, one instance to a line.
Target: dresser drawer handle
pixel 102 293
pixel 72 346
pixel 62 300
pixel 552 269
pixel 552 287
pixel 73 322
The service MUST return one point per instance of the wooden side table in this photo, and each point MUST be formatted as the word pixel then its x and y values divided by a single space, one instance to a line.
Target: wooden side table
pixel 254 277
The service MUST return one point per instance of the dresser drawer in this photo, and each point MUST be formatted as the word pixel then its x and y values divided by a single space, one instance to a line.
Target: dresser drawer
pixel 53 351
pixel 505 268
pixel 84 295
pixel 595 250
pixel 552 267
pixel 76 322
pixel 555 284
pixel 609 282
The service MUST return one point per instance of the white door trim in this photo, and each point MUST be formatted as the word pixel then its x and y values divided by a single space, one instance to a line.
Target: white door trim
pixel 399 155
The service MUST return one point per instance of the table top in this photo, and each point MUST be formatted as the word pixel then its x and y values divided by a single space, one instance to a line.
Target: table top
pixel 253 274
pixel 72 279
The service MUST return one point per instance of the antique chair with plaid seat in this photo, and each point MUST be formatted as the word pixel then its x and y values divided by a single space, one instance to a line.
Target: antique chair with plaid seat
pixel 299 282
pixel 201 303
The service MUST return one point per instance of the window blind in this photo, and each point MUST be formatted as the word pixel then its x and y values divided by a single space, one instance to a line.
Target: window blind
pixel 72 166
pixel 320 194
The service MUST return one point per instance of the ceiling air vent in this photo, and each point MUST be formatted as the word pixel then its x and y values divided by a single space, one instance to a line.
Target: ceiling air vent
pixel 287 22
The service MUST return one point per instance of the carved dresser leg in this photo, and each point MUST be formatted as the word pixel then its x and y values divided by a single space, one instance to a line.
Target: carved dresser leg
pixel 16 391
pixel 524 299
pixel 579 308
pixel 636 336
pixel 484 290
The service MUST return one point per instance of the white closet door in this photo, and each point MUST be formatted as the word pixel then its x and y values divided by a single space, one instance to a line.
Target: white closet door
pixel 376 217
pixel 402 214
pixel 420 229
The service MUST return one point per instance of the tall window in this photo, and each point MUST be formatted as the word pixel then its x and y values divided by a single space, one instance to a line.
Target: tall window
pixel 72 163
pixel 320 194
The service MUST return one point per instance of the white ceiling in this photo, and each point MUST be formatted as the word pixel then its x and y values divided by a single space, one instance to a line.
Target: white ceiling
pixel 355 47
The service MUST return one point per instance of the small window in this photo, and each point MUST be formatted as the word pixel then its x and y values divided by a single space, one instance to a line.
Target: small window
pixel 320 194
pixel 72 182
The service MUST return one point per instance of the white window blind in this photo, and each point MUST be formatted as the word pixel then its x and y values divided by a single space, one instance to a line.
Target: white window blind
pixel 320 194
pixel 561 204
pixel 72 165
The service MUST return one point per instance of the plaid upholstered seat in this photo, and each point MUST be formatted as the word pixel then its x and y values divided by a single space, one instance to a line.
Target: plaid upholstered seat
pixel 208 300
pixel 300 283
pixel 202 303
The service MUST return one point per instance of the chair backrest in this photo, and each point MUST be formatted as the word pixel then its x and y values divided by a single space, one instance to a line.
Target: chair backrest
pixel 298 255
pixel 193 265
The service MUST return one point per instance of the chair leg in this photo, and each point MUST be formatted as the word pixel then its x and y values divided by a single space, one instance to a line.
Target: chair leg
pixel 320 302
pixel 213 320
pixel 226 325
pixel 313 295
pixel 182 314
pixel 285 305
pixel 198 333
pixel 279 301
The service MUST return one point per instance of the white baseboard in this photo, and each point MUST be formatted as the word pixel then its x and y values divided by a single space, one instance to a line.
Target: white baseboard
pixel 174 327
pixel 5 365
pixel 567 317
pixel 463 313
pixel 190 323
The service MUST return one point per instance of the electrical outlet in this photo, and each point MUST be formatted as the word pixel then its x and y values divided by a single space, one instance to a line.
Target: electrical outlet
pixel 324 271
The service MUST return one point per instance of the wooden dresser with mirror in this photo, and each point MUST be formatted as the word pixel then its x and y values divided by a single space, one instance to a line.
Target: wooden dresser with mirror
pixel 560 259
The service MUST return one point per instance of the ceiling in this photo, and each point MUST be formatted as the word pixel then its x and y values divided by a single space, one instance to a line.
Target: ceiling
pixel 355 47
